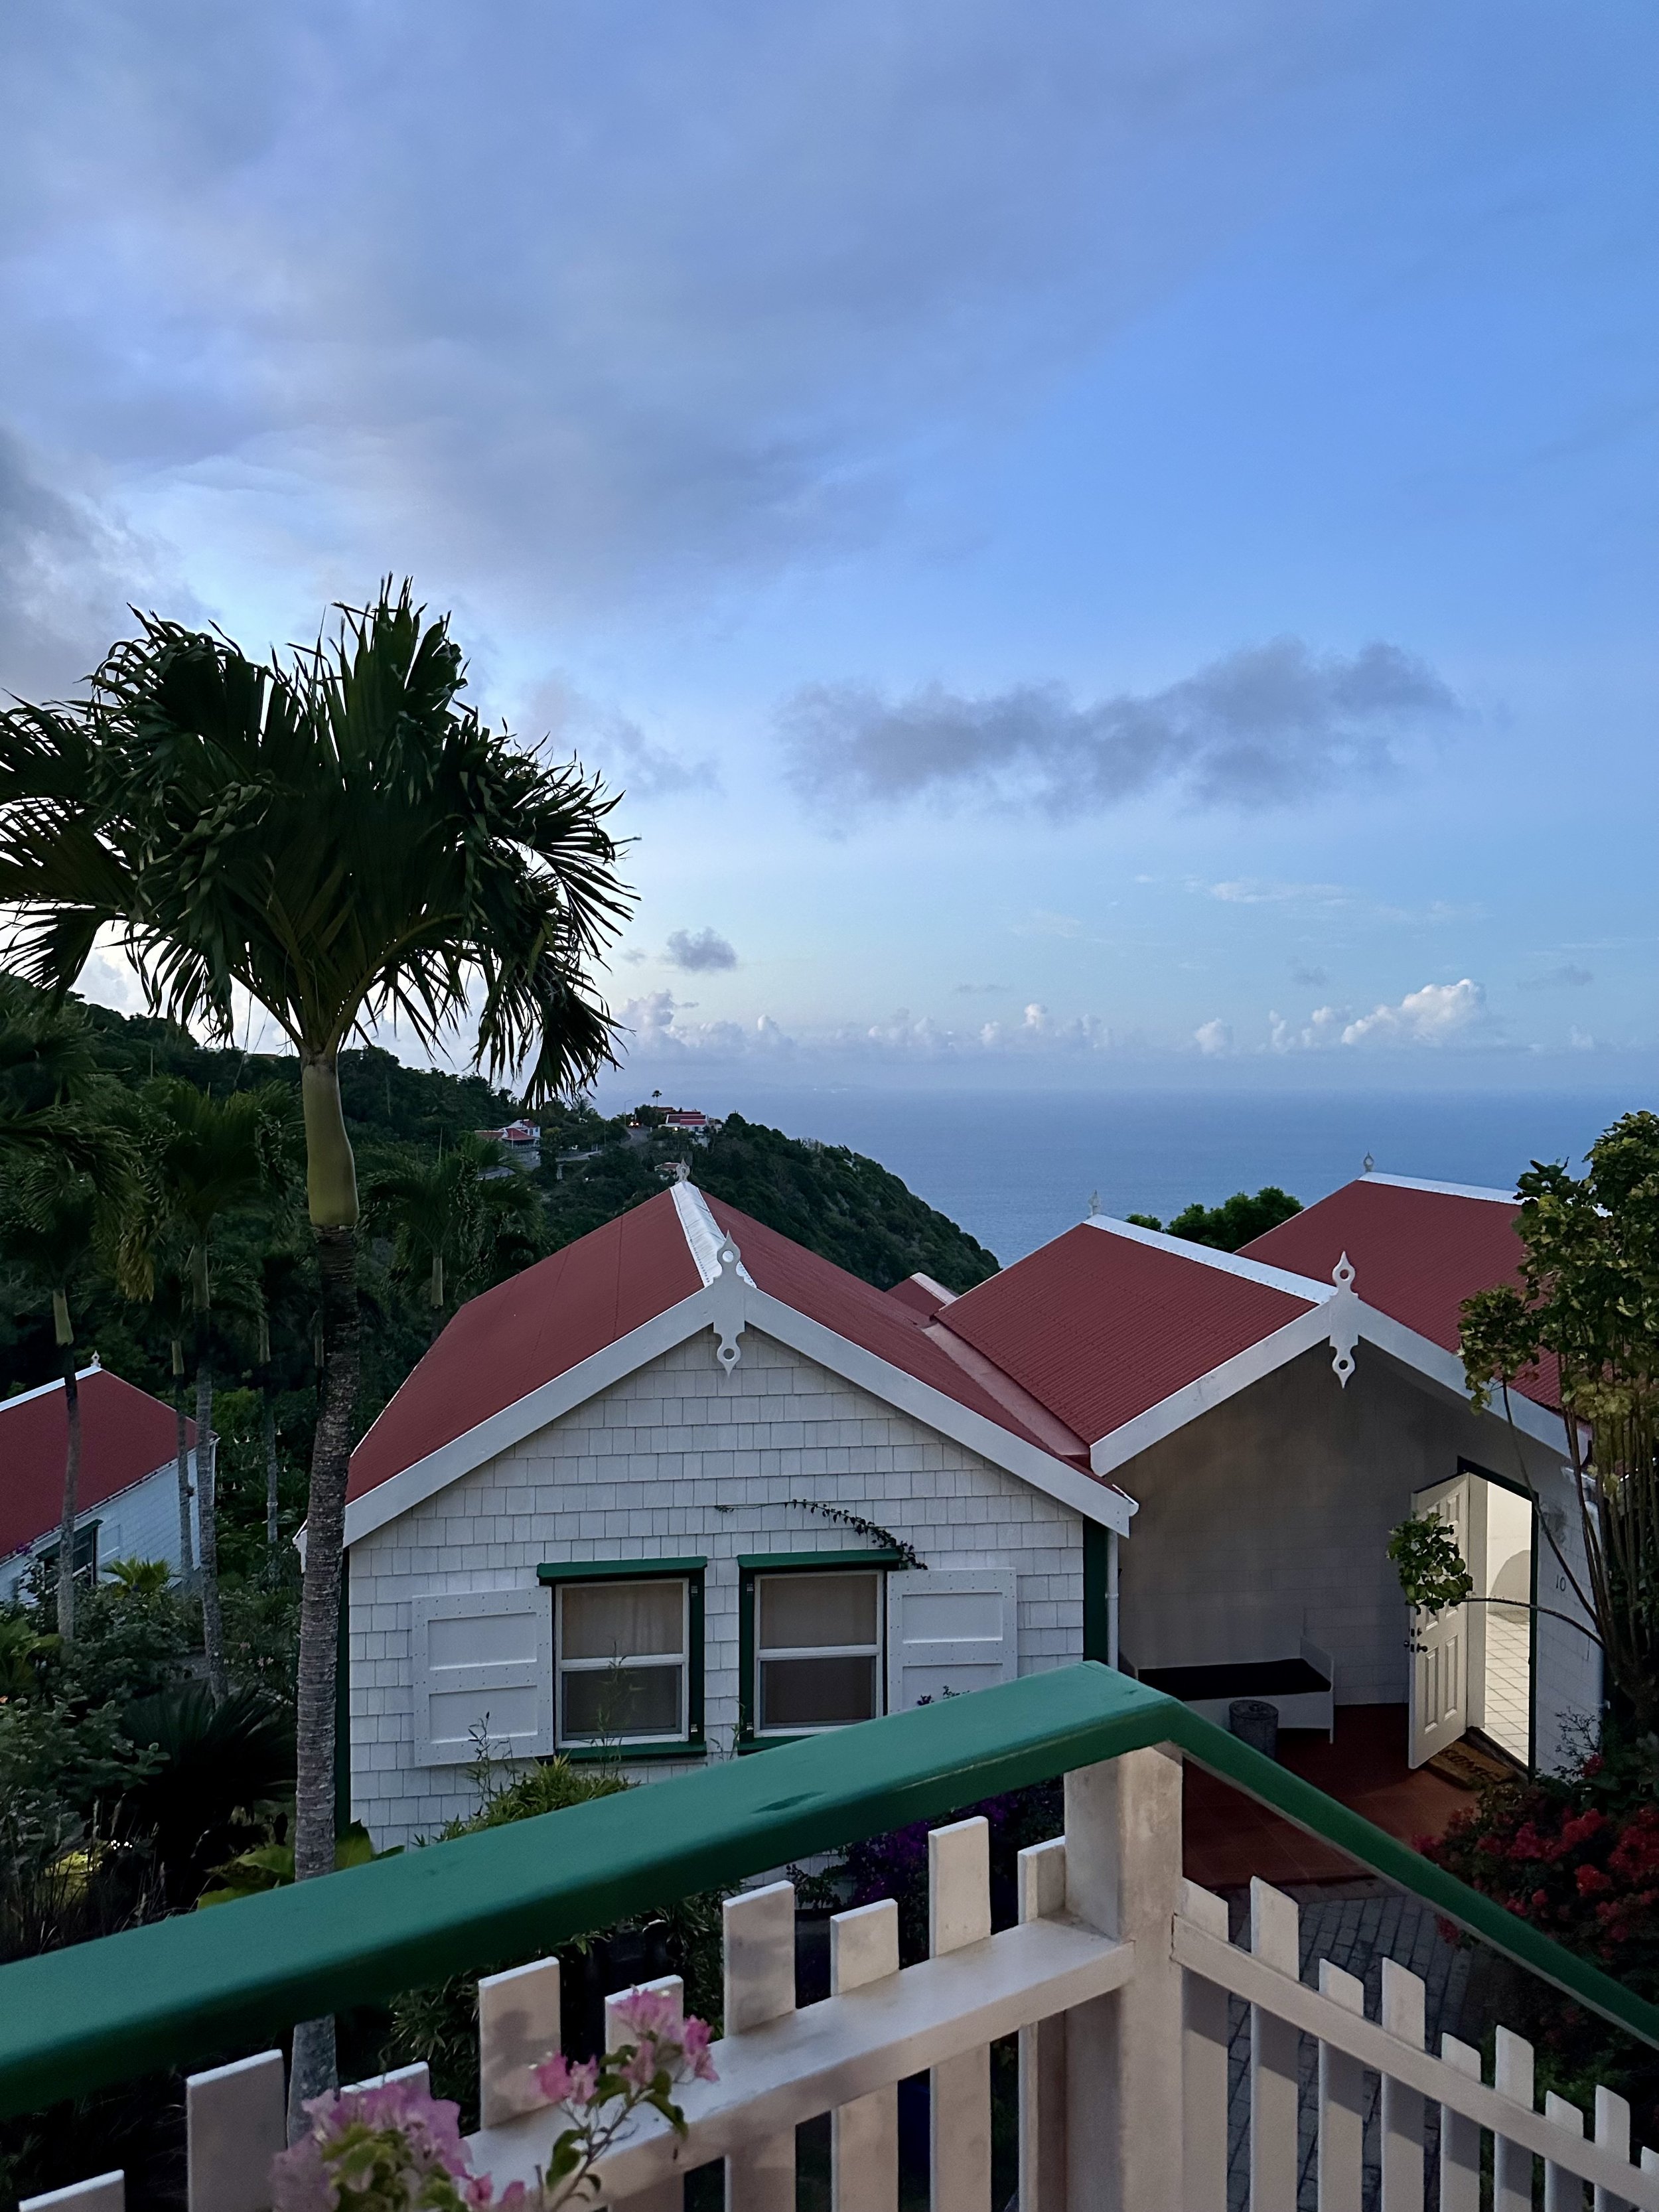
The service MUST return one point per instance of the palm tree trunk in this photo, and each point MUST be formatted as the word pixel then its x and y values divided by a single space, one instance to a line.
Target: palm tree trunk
pixel 312 2072
pixel 273 1531
pixel 71 1484
pixel 186 1545
pixel 207 1470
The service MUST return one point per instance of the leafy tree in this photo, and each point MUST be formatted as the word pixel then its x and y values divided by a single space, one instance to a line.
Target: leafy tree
pixel 1589 1305
pixel 1235 1223
pixel 207 1157
pixel 50 1223
pixel 336 835
pixel 460 1223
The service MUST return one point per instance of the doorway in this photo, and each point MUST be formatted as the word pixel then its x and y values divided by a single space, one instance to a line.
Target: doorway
pixel 1472 1665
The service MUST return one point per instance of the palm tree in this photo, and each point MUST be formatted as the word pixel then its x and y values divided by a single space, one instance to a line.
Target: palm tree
pixel 462 1221
pixel 207 1157
pixel 333 833
pixel 50 1230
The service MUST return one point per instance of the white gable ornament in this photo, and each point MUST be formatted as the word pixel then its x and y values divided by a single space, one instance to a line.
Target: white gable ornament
pixel 1344 1310
pixel 725 1295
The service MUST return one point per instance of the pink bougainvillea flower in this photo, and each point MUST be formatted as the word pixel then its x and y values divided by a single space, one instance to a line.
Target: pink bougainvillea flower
pixel 552 2078
pixel 693 2042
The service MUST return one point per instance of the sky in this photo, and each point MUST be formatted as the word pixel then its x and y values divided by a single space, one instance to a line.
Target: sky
pixel 1104 541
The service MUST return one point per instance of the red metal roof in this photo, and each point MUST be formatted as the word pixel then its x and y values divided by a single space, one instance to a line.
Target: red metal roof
pixel 511 1340
pixel 915 1292
pixel 125 1434
pixel 1417 1255
pixel 1101 1327
pixel 858 1311
pixel 507 1343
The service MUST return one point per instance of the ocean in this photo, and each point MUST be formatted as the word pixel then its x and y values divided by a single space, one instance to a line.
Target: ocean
pixel 1015 1168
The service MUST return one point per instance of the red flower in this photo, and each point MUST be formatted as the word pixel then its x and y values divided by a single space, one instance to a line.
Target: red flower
pixel 1592 1882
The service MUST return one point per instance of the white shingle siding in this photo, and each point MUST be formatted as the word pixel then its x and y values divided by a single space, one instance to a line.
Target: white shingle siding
pixel 680 1460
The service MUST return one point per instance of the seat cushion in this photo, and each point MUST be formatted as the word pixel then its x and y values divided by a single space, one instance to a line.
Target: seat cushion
pixel 1249 1678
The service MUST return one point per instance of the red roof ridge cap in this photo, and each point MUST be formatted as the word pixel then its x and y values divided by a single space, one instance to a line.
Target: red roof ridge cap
pixel 1050 1431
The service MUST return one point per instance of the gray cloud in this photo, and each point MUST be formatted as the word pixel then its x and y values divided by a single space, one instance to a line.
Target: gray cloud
pixel 699 950
pixel 1568 977
pixel 611 743
pixel 63 568
pixel 1266 725
pixel 1315 978
pixel 566 303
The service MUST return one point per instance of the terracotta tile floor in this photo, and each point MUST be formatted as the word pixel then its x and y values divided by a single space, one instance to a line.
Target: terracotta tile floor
pixel 1228 1836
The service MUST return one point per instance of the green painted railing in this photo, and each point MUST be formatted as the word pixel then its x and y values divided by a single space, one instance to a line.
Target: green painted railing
pixel 206 1984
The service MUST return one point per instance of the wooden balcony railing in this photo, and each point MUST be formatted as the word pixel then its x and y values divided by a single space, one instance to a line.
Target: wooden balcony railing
pixel 1116 1979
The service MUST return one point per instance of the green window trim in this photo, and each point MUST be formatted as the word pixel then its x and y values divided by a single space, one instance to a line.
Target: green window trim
pixel 1096 1593
pixel 750 1564
pixel 783 1563
pixel 693 1744
pixel 615 1570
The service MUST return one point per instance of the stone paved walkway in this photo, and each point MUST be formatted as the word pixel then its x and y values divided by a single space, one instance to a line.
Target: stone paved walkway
pixel 1356 1925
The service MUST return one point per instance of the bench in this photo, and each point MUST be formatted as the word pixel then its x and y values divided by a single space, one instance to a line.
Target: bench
pixel 1303 1688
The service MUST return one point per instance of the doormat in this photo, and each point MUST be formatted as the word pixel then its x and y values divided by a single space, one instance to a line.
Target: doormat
pixel 1472 1764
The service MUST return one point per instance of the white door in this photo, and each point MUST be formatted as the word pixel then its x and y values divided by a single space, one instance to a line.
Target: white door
pixel 949 1631
pixel 483 1667
pixel 1440 1659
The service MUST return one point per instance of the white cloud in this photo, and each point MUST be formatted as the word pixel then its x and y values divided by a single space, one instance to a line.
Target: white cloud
pixel 1213 1038
pixel 654 1024
pixel 1249 890
pixel 1440 1013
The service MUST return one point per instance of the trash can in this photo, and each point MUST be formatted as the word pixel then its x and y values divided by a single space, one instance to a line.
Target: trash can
pixel 1254 1722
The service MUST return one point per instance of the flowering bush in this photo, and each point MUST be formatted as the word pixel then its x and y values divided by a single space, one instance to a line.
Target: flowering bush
pixel 397 2149
pixel 1577 1855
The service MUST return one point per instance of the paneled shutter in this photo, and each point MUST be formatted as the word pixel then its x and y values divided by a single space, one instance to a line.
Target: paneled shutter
pixel 484 1661
pixel 949 1631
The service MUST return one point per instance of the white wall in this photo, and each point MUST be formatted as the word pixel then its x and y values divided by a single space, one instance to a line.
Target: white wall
pixel 1269 1517
pixel 139 1522
pixel 681 1459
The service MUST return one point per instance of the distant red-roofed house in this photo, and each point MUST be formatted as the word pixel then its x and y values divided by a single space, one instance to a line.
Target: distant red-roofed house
pixel 685 1488
pixel 127 1494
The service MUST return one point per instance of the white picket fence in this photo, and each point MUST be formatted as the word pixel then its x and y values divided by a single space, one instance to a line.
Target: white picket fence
pixel 1116 1980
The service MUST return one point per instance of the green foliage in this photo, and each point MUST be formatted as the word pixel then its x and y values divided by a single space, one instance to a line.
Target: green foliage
pixel 459 1222
pixel 1577 1855
pixel 440 2024
pixel 1432 1570
pixel 1235 1223
pixel 270 1866
pixel 1588 1305
pixel 831 1199
pixel 216 1768
pixel 144 1577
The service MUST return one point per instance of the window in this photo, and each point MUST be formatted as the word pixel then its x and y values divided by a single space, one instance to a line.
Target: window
pixel 813 1636
pixel 85 1556
pixel 627 1653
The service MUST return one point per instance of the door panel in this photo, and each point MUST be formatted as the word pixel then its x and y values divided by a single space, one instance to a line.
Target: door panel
pixel 1440 1661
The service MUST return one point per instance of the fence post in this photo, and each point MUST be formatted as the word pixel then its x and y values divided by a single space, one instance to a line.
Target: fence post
pixel 1123 2052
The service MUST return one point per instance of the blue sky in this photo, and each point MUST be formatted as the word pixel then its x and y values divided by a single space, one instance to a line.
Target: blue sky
pixel 1105 542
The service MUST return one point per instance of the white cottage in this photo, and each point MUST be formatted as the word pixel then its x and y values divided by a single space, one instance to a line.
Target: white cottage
pixel 127 1496
pixel 685 1490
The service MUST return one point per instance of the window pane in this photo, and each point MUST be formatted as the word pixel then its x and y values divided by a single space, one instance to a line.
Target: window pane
pixel 620 1701
pixel 805 1611
pixel 817 1692
pixel 617 1620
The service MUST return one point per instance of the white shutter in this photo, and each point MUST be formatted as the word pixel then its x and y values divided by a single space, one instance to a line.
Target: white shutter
pixel 949 1631
pixel 483 1660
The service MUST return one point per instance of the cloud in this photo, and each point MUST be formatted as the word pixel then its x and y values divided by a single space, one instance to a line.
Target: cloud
pixel 66 574
pixel 697 953
pixel 1440 1013
pixel 1267 726
pixel 978 990
pixel 654 1024
pixel 1568 977
pixel 684 318
pixel 613 744
pixel 1213 1038
pixel 1314 979
pixel 1249 891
